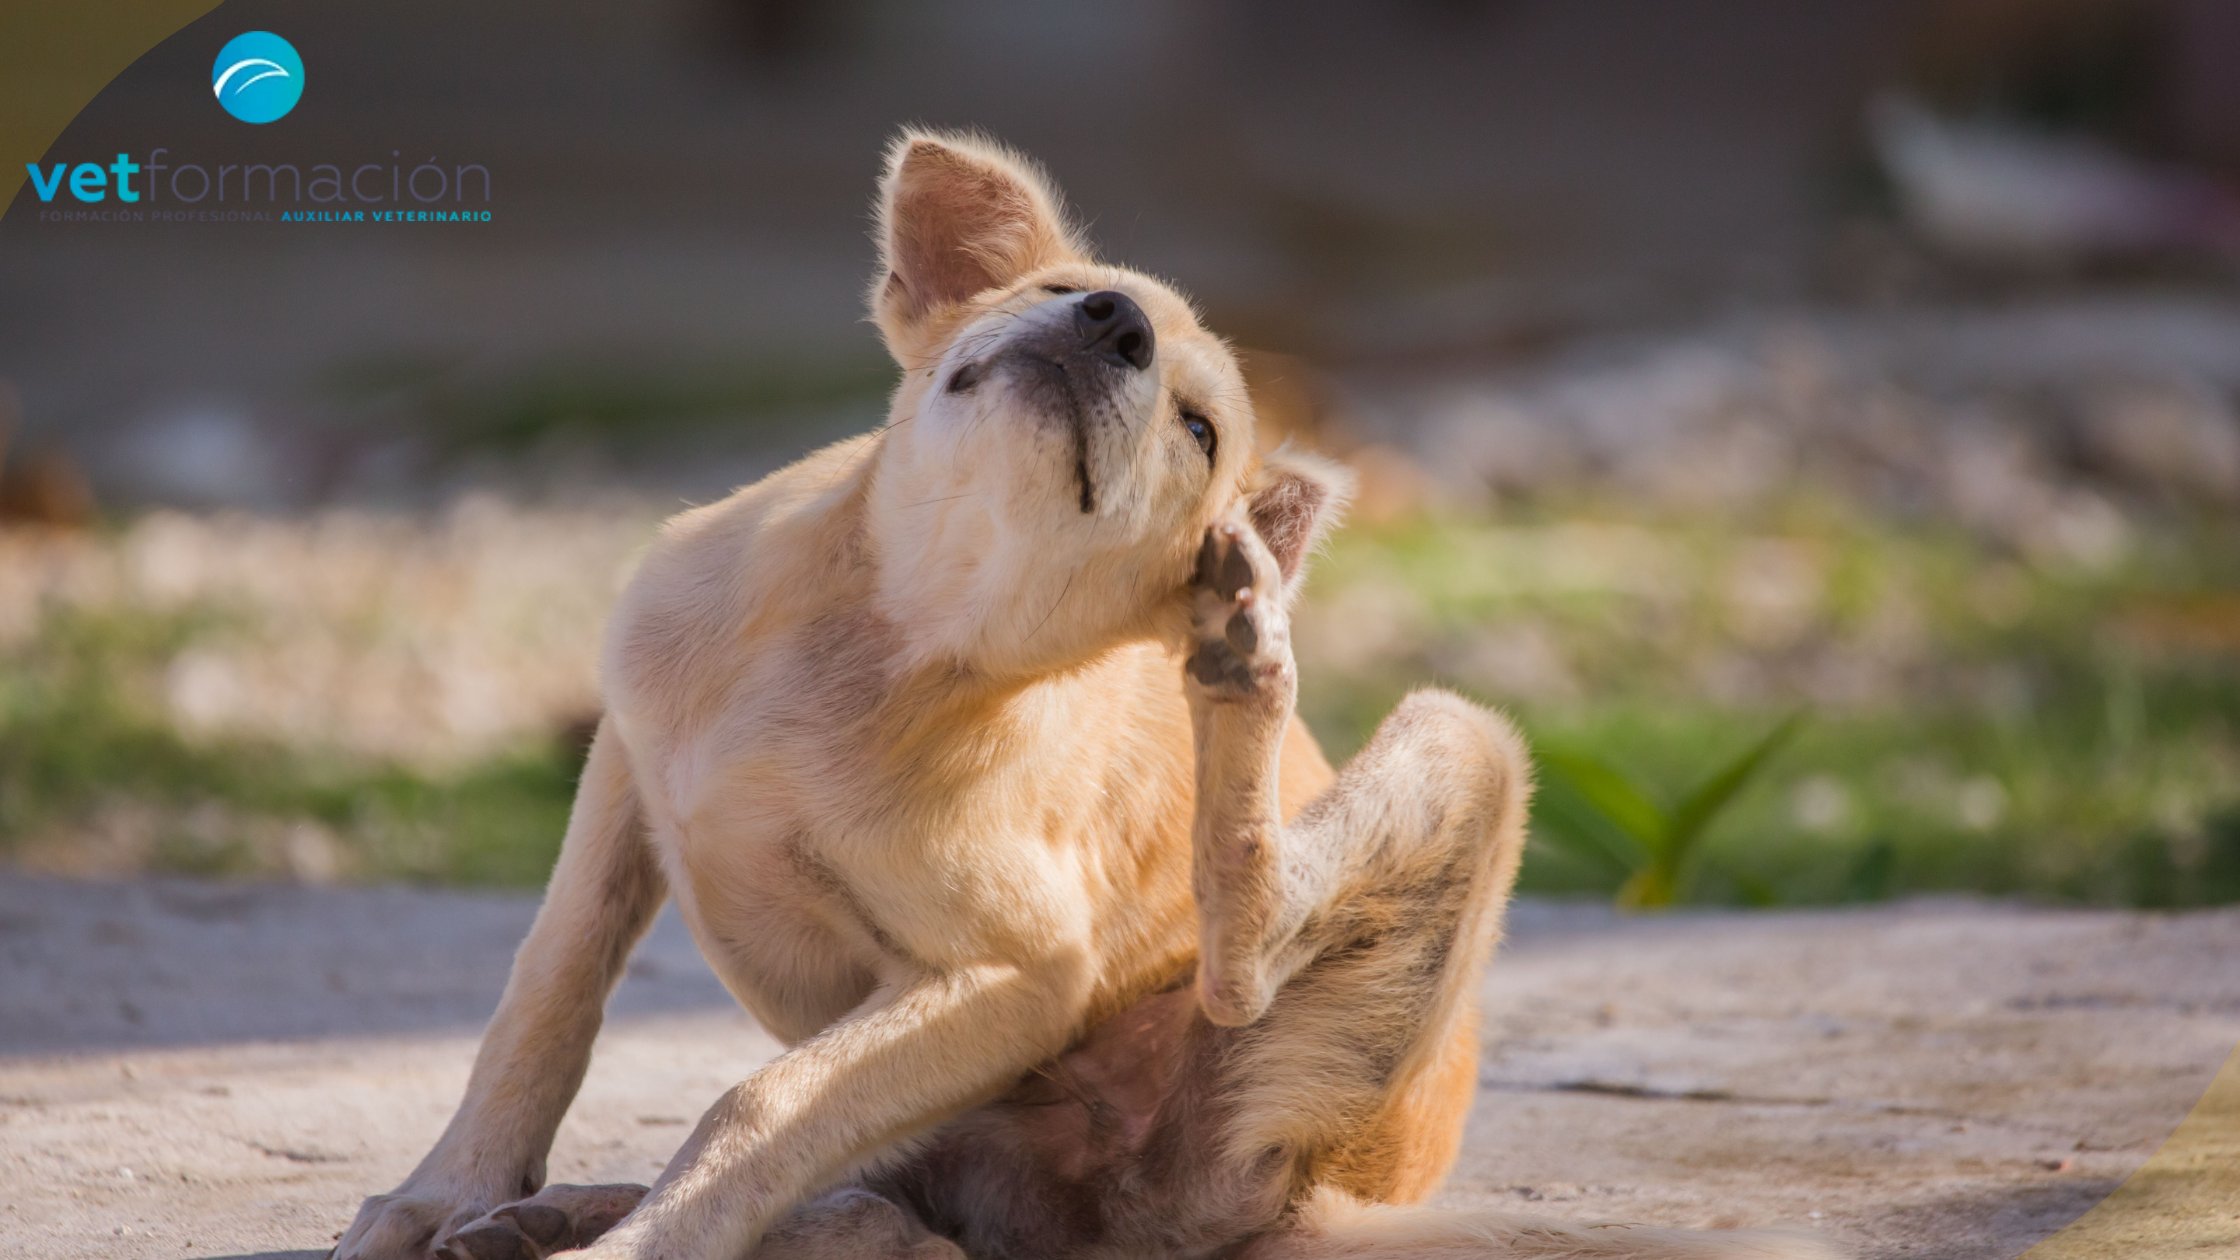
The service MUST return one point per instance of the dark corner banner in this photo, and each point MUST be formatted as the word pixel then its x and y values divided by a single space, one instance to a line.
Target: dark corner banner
pixel 55 58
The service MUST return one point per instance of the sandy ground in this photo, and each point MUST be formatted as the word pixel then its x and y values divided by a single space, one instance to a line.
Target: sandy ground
pixel 209 1070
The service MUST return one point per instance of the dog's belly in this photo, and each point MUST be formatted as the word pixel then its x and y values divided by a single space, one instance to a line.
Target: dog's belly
pixel 1114 1148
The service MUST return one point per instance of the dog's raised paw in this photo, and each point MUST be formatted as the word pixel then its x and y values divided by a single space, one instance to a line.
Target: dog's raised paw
pixel 556 1218
pixel 1241 633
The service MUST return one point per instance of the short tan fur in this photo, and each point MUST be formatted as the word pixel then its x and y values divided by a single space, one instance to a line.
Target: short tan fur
pixel 967 750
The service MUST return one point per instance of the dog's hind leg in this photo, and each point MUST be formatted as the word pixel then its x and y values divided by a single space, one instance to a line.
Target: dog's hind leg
pixel 1345 947
pixel 1355 939
pixel 1345 951
pixel 1419 837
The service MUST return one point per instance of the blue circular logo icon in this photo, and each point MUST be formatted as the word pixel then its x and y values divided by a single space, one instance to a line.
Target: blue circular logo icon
pixel 258 77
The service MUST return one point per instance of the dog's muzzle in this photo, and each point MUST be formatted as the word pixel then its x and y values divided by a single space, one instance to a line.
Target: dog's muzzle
pixel 1070 369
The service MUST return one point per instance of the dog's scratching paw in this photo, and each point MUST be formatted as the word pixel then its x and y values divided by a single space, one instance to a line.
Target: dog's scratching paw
pixel 556 1218
pixel 1238 624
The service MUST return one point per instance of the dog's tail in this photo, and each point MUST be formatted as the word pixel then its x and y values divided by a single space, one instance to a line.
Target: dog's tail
pixel 1337 1227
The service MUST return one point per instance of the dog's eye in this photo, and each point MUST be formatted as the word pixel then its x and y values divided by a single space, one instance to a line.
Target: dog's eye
pixel 1059 288
pixel 1201 429
pixel 964 378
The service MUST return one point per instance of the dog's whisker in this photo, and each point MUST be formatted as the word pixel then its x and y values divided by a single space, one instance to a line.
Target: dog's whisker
pixel 1095 524
pixel 1063 591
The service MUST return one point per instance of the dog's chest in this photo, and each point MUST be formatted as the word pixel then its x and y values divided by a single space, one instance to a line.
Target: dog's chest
pixel 827 828
pixel 812 862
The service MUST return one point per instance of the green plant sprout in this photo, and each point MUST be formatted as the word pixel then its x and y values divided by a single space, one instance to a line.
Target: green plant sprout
pixel 1595 811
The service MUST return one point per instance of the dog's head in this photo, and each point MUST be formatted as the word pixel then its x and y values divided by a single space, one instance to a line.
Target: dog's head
pixel 1065 430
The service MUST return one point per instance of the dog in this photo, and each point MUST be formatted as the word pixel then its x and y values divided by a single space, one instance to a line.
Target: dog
pixel 967 750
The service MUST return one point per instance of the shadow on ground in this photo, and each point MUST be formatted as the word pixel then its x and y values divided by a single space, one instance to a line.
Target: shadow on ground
pixel 1990 1223
pixel 93 967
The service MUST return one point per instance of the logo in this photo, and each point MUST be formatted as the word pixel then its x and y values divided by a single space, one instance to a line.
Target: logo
pixel 258 77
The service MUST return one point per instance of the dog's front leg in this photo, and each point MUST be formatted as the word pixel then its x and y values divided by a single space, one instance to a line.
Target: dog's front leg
pixel 926 1046
pixel 604 892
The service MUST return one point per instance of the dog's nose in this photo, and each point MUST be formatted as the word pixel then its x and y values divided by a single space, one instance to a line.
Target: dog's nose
pixel 1114 327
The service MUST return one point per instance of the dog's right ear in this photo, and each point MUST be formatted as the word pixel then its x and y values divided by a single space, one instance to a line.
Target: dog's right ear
pixel 958 215
pixel 1293 500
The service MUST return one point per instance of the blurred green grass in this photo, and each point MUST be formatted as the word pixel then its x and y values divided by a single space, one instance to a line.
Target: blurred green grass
pixel 1979 722
pixel 86 749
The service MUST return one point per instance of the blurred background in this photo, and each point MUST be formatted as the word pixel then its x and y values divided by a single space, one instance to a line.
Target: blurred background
pixel 1814 419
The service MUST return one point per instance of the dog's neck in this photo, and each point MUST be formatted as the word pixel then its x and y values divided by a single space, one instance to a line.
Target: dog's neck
pixel 972 601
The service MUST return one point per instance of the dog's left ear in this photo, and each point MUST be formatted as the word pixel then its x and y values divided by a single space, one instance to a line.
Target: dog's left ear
pixel 1294 499
pixel 958 215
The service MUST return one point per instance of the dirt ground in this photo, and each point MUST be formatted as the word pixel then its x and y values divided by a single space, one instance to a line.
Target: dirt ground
pixel 223 1070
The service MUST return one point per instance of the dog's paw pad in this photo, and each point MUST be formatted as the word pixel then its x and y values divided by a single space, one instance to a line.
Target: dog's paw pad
pixel 556 1218
pixel 1223 563
pixel 1236 613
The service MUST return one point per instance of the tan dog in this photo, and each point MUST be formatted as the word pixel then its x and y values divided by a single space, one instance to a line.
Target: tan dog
pixel 967 750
